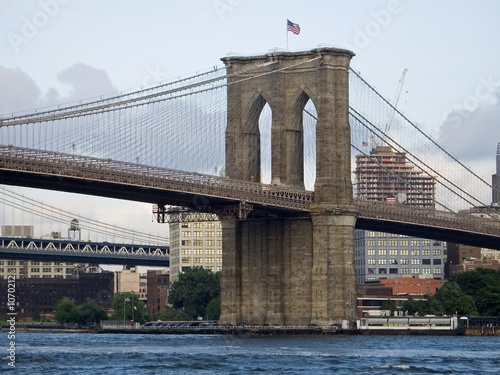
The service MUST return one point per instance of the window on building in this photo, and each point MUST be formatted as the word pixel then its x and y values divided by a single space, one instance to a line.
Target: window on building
pixel 426 261
pixel 382 243
pixel 404 271
pixel 371 270
pixel 437 271
pixel 382 252
pixel 436 261
pixel 382 271
pixel 370 252
pixel 370 261
pixel 403 252
pixel 415 271
pixel 382 261
pixel 415 252
pixel 437 252
pixel 415 261
pixel 426 252
pixel 393 261
pixel 393 270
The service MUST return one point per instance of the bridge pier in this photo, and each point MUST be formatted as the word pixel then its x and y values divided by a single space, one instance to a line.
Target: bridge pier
pixel 291 271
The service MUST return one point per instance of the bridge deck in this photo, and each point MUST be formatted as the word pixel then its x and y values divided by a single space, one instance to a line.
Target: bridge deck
pixel 205 193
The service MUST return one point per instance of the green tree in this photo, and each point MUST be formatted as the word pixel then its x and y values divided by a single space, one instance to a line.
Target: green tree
pixel 172 314
pixel 128 303
pixel 36 316
pixel 91 313
pixel 66 311
pixel 483 285
pixel 193 291
pixel 454 301
pixel 425 306
pixel 213 309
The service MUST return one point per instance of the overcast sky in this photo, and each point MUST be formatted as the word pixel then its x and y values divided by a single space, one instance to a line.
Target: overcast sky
pixel 55 51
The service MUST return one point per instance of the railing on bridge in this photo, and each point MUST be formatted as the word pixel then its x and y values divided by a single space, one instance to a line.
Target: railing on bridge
pixel 426 216
pixel 108 170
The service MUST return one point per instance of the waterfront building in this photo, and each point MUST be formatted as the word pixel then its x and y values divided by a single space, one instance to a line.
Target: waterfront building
pixel 195 244
pixel 40 295
pixel 157 290
pixel 397 290
pixel 386 175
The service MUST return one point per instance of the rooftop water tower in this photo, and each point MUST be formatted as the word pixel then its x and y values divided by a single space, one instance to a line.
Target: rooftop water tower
pixel 74 228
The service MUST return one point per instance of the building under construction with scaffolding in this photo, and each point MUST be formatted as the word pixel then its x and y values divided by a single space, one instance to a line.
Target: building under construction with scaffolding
pixel 386 175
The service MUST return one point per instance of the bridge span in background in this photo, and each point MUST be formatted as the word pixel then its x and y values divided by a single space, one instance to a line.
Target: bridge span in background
pixel 83 252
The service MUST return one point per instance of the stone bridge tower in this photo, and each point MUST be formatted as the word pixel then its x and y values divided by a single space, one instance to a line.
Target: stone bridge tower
pixel 291 271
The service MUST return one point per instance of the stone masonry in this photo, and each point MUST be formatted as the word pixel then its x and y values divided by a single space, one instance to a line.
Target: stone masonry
pixel 291 271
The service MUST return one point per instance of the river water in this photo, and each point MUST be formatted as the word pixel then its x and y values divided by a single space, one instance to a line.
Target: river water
pixel 43 353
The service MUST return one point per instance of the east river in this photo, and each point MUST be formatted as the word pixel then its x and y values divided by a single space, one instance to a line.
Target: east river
pixel 44 353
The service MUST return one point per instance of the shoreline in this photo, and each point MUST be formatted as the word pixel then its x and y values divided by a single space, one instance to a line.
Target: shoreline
pixel 261 331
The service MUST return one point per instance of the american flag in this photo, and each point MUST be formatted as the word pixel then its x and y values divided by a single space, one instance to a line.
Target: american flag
pixel 293 27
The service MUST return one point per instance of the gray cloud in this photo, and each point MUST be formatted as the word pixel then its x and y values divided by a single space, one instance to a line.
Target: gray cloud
pixel 19 92
pixel 86 81
pixel 472 135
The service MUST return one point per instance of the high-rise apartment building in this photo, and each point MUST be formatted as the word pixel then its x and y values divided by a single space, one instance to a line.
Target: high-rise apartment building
pixel 385 175
pixel 195 244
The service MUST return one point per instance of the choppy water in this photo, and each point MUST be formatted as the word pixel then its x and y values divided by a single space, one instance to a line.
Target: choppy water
pixel 40 353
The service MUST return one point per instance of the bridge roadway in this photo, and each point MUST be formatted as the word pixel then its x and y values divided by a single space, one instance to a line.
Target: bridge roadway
pixel 199 192
pixel 83 252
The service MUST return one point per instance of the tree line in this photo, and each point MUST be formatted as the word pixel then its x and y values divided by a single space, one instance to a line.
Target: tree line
pixel 468 293
pixel 195 294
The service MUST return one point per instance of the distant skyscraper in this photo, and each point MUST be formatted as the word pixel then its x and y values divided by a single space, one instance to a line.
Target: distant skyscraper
pixel 496 179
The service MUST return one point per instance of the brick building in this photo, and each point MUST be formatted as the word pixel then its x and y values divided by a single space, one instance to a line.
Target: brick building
pixel 157 290
pixel 41 295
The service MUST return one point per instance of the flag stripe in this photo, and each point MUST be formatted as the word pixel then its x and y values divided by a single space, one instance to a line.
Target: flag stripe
pixel 293 27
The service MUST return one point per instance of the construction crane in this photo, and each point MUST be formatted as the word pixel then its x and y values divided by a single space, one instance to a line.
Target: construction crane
pixel 396 101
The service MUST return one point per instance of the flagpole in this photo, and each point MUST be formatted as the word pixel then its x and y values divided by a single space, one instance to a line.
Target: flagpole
pixel 287 34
